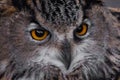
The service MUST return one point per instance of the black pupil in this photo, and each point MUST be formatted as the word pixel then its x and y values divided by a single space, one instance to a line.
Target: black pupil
pixel 39 33
pixel 79 29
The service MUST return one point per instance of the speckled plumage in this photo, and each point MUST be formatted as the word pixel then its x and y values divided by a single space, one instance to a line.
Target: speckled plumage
pixel 62 56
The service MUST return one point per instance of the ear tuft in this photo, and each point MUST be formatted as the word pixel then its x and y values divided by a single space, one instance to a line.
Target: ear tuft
pixel 21 4
pixel 94 1
pixel 6 8
pixel 90 3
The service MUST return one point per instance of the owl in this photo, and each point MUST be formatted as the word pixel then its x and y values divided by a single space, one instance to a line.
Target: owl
pixel 58 40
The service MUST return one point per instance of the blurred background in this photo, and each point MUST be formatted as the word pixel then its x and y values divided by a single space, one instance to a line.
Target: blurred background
pixel 114 6
pixel 113 3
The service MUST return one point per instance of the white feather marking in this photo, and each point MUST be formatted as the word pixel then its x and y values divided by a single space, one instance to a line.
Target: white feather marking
pixel 79 54
pixel 49 56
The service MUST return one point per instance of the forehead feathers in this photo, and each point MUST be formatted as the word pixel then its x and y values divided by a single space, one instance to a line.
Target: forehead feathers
pixel 58 11
pixel 55 11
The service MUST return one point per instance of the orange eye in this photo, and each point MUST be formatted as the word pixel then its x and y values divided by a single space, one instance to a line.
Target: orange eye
pixel 82 30
pixel 39 34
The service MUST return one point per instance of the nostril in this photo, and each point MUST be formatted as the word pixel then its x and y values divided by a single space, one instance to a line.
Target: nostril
pixel 66 53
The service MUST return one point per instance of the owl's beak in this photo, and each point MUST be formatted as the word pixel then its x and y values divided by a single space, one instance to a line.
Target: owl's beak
pixel 66 53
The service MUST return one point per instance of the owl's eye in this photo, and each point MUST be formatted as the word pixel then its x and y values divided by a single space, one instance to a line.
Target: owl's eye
pixel 81 30
pixel 39 34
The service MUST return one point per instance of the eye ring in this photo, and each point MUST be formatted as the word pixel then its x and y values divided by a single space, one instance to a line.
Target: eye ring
pixel 82 29
pixel 39 34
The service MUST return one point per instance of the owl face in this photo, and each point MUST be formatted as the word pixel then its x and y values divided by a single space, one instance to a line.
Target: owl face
pixel 61 40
